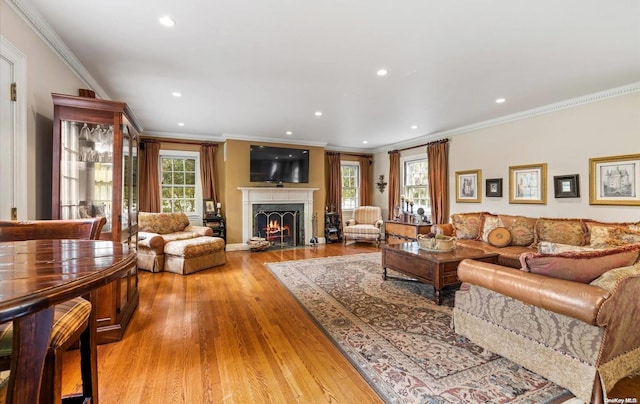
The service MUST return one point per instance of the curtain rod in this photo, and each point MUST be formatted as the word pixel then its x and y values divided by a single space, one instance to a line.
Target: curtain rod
pixel 420 145
pixel 351 154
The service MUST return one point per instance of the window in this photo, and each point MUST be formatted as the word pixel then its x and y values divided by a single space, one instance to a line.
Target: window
pixel 350 184
pixel 415 182
pixel 181 188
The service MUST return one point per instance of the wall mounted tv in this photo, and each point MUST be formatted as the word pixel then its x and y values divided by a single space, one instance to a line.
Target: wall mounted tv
pixel 279 164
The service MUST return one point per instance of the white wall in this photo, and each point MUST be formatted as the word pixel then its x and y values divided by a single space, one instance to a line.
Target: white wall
pixel 46 73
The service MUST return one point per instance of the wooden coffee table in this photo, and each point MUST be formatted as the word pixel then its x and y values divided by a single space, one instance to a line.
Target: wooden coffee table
pixel 439 269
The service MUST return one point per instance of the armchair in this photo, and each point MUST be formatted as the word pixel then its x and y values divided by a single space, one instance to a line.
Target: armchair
pixel 366 225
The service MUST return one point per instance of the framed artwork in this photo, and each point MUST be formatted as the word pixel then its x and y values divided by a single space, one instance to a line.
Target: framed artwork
pixel 209 207
pixel 614 180
pixel 566 186
pixel 468 186
pixel 493 187
pixel 528 183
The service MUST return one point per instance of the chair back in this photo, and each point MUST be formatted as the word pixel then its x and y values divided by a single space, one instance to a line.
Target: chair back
pixel 367 214
pixel 80 229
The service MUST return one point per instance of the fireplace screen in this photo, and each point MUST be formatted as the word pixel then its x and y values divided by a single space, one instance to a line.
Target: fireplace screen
pixel 280 228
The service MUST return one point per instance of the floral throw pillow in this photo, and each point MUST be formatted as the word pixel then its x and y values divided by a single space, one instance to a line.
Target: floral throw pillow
pixel 467 225
pixel 522 232
pixel 563 231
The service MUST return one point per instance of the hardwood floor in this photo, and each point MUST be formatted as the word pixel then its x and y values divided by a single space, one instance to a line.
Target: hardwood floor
pixel 231 334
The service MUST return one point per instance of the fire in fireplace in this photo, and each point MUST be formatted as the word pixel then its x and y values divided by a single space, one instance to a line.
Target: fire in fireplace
pixel 281 226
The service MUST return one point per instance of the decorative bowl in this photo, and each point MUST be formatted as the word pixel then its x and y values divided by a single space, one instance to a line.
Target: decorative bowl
pixel 437 244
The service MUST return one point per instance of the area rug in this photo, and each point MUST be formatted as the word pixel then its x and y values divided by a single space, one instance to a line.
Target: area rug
pixel 402 342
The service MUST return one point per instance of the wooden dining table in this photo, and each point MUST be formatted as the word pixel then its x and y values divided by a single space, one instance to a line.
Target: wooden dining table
pixel 35 275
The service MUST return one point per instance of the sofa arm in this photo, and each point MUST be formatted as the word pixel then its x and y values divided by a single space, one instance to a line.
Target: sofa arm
pixel 445 229
pixel 379 223
pixel 150 240
pixel 199 230
pixel 350 222
pixel 573 299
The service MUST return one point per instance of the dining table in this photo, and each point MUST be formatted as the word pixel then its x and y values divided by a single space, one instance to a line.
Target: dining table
pixel 35 275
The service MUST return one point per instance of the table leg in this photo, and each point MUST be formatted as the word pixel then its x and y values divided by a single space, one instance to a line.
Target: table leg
pixel 438 297
pixel 384 274
pixel 31 336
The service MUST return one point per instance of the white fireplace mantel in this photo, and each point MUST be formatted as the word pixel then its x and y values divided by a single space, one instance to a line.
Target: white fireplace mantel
pixel 259 195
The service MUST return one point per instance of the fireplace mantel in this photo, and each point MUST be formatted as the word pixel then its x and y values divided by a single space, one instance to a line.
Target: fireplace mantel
pixel 261 195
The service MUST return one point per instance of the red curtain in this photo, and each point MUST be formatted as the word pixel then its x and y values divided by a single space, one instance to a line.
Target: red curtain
pixel 438 160
pixel 365 180
pixel 149 185
pixel 334 186
pixel 207 170
pixel 394 182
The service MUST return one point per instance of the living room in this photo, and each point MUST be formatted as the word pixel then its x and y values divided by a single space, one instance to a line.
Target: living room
pixel 563 134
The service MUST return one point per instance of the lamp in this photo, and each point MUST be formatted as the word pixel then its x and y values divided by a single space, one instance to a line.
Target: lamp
pixel 381 184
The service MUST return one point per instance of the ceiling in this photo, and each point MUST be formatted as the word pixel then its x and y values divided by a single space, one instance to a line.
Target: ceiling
pixel 255 69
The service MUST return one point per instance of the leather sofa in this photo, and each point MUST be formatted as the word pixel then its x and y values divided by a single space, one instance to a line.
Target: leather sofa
pixel 157 232
pixel 578 332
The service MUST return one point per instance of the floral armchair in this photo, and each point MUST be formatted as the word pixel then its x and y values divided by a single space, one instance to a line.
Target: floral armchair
pixel 366 225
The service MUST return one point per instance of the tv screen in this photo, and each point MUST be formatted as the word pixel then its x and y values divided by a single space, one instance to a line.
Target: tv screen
pixel 279 164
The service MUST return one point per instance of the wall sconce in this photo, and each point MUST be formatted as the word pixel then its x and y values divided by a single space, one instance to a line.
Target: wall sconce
pixel 381 184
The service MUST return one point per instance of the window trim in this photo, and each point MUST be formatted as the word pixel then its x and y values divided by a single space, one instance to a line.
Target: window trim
pixel 196 216
pixel 355 164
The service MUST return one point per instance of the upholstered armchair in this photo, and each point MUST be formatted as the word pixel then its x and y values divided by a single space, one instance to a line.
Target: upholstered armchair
pixel 366 225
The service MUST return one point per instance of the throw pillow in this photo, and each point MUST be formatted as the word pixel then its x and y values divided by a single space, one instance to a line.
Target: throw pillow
pixel 603 235
pixel 467 225
pixel 488 223
pixel 499 237
pixel 584 266
pixel 546 247
pixel 563 231
pixel 522 232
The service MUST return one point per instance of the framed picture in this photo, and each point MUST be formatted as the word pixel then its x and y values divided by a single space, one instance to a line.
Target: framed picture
pixel 566 186
pixel 468 186
pixel 614 180
pixel 493 187
pixel 528 183
pixel 209 207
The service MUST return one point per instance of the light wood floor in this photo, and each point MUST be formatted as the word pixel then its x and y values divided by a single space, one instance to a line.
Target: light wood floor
pixel 230 334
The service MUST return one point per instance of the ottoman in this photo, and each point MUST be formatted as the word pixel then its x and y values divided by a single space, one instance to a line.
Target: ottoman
pixel 195 254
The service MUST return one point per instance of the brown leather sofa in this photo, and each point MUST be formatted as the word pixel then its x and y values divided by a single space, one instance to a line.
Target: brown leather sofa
pixel 580 335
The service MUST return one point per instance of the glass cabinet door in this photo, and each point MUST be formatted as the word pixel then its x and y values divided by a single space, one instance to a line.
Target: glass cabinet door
pixel 86 170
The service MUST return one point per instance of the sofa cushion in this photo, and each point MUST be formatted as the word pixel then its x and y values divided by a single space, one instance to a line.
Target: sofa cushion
pixel 547 247
pixel 488 222
pixel 582 266
pixel 499 237
pixel 521 228
pixel 162 223
pixel 564 231
pixel 467 225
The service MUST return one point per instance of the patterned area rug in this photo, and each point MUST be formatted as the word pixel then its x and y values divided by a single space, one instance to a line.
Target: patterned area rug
pixel 401 341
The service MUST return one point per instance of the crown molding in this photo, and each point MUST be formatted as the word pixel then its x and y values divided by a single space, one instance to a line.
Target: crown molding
pixel 41 27
pixel 558 106
pixel 275 140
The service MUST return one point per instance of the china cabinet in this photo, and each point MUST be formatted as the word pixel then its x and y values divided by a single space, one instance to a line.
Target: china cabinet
pixel 95 145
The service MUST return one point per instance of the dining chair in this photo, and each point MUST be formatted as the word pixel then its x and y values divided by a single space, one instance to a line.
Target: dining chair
pixel 70 319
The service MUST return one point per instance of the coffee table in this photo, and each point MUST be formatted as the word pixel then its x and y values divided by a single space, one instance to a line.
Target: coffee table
pixel 439 269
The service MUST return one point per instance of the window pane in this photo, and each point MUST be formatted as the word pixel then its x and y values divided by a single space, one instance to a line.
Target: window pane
pixel 167 178
pixel 190 178
pixel 178 165
pixel 166 193
pixel 178 178
pixel 167 164
pixel 190 165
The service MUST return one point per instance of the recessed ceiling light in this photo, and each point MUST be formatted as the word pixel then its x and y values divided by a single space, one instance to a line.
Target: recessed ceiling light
pixel 414 127
pixel 167 21
pixel 382 72
pixel 180 123
pixel 318 113
pixel 500 100
pixel 176 94
pixel 365 142
pixel 289 133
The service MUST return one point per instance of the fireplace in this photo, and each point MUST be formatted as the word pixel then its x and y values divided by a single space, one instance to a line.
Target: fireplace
pixel 279 223
pixel 285 201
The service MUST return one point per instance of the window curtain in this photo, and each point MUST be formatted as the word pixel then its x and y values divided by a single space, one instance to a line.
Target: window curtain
pixel 207 170
pixel 149 184
pixel 365 179
pixel 438 160
pixel 334 196
pixel 394 182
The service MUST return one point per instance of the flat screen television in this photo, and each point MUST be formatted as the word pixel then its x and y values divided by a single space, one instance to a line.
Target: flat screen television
pixel 279 164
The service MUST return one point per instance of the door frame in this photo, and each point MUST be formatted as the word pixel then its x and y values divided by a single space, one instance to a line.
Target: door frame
pixel 19 61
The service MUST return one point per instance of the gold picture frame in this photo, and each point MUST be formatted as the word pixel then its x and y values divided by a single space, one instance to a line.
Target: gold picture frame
pixel 615 180
pixel 528 183
pixel 468 186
